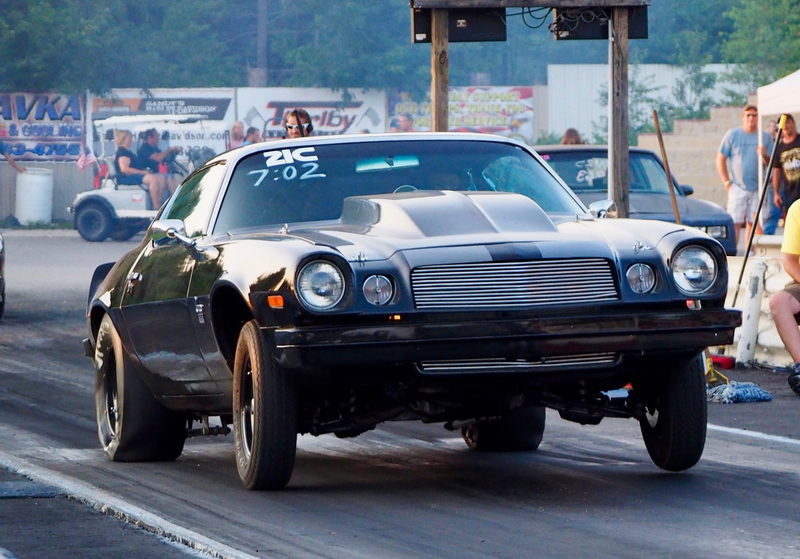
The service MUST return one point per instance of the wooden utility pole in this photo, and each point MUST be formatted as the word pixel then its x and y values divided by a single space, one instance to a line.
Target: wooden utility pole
pixel 258 76
pixel 439 70
pixel 618 123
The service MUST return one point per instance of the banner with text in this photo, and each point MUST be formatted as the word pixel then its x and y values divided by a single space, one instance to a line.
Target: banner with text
pixel 42 126
pixel 503 110
pixel 331 111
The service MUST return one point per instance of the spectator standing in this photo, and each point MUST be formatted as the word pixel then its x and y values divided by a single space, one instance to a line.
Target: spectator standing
pixel 737 164
pixel 786 168
pixel 405 122
pixel 253 136
pixel 772 211
pixel 236 138
pixel 785 304
pixel 297 123
pixel 571 136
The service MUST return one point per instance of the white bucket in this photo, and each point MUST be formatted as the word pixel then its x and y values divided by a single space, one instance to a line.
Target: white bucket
pixel 34 196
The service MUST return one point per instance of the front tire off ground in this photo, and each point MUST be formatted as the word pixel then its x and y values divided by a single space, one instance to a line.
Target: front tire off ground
pixel 676 414
pixel 264 414
pixel 132 425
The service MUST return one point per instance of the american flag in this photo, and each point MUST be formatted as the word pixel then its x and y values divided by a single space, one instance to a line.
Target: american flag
pixel 85 159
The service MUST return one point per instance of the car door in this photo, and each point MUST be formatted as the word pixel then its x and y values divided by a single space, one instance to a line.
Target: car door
pixel 159 314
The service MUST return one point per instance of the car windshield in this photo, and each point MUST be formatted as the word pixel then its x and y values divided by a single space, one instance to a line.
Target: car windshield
pixel 587 171
pixel 310 183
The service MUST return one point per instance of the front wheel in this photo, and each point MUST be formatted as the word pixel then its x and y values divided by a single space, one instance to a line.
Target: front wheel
pixel 264 414
pixel 93 222
pixel 674 423
pixel 520 429
pixel 131 424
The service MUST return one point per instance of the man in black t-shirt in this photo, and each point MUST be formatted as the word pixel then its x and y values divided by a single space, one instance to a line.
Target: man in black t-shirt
pixel 786 168
pixel 150 157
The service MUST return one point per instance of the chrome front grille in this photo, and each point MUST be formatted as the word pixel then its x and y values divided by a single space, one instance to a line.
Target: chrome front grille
pixel 501 365
pixel 514 284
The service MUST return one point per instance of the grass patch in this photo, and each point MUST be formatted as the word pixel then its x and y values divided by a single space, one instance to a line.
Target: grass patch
pixel 12 222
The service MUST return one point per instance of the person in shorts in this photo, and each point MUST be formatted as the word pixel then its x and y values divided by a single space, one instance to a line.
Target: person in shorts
pixel 737 164
pixel 785 304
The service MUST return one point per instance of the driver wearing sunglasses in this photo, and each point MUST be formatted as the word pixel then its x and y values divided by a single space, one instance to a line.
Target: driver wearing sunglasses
pixel 297 124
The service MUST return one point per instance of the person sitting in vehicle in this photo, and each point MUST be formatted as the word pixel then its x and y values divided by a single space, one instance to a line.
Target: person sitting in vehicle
pixel 128 172
pixel 156 160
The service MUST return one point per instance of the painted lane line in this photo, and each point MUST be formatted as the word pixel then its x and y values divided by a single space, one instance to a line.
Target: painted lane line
pixel 108 504
pixel 753 434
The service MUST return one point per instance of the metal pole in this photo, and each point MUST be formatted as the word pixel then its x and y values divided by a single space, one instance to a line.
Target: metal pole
pixel 767 176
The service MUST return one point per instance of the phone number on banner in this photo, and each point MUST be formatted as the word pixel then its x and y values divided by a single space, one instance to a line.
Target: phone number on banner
pixel 58 149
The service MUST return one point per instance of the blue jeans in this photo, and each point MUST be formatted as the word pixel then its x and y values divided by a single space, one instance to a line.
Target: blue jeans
pixel 770 213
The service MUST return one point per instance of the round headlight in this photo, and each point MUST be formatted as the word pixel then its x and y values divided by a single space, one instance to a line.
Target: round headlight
pixel 320 285
pixel 694 269
pixel 641 278
pixel 378 290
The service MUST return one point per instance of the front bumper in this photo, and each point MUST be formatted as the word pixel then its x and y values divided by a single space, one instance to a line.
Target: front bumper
pixel 530 339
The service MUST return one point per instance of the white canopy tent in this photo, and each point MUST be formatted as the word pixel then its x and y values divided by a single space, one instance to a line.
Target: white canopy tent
pixel 781 96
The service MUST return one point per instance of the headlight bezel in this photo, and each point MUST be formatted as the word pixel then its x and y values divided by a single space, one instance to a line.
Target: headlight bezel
pixel 305 291
pixel 385 289
pixel 682 261
pixel 635 273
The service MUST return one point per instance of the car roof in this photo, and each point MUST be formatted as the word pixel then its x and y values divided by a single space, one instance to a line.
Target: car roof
pixel 362 138
pixel 551 148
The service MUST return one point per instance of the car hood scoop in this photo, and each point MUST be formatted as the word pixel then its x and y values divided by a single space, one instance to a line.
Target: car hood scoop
pixel 375 227
pixel 423 214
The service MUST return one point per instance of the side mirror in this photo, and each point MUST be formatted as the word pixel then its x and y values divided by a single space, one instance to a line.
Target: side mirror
pixel 603 209
pixel 173 231
pixel 687 189
pixel 169 231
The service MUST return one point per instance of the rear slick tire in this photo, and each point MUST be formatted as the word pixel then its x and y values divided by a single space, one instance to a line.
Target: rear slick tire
pixel 131 424
pixel 676 414
pixel 264 414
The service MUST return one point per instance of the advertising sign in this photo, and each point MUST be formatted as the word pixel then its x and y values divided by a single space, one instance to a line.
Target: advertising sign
pixel 213 108
pixel 331 111
pixel 503 110
pixel 211 103
pixel 42 126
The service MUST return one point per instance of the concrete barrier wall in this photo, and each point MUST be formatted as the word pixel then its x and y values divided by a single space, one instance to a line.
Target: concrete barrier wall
pixel 769 350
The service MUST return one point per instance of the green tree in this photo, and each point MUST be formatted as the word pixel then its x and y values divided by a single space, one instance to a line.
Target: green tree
pixel 73 45
pixel 684 32
pixel 764 39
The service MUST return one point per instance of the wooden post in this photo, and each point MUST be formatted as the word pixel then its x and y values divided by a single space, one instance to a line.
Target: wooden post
pixel 439 70
pixel 618 100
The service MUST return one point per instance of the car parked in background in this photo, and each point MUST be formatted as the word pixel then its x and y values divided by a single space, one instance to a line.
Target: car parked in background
pixel 585 170
pixel 328 284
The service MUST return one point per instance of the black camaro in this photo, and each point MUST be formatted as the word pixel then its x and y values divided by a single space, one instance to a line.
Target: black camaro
pixel 325 285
